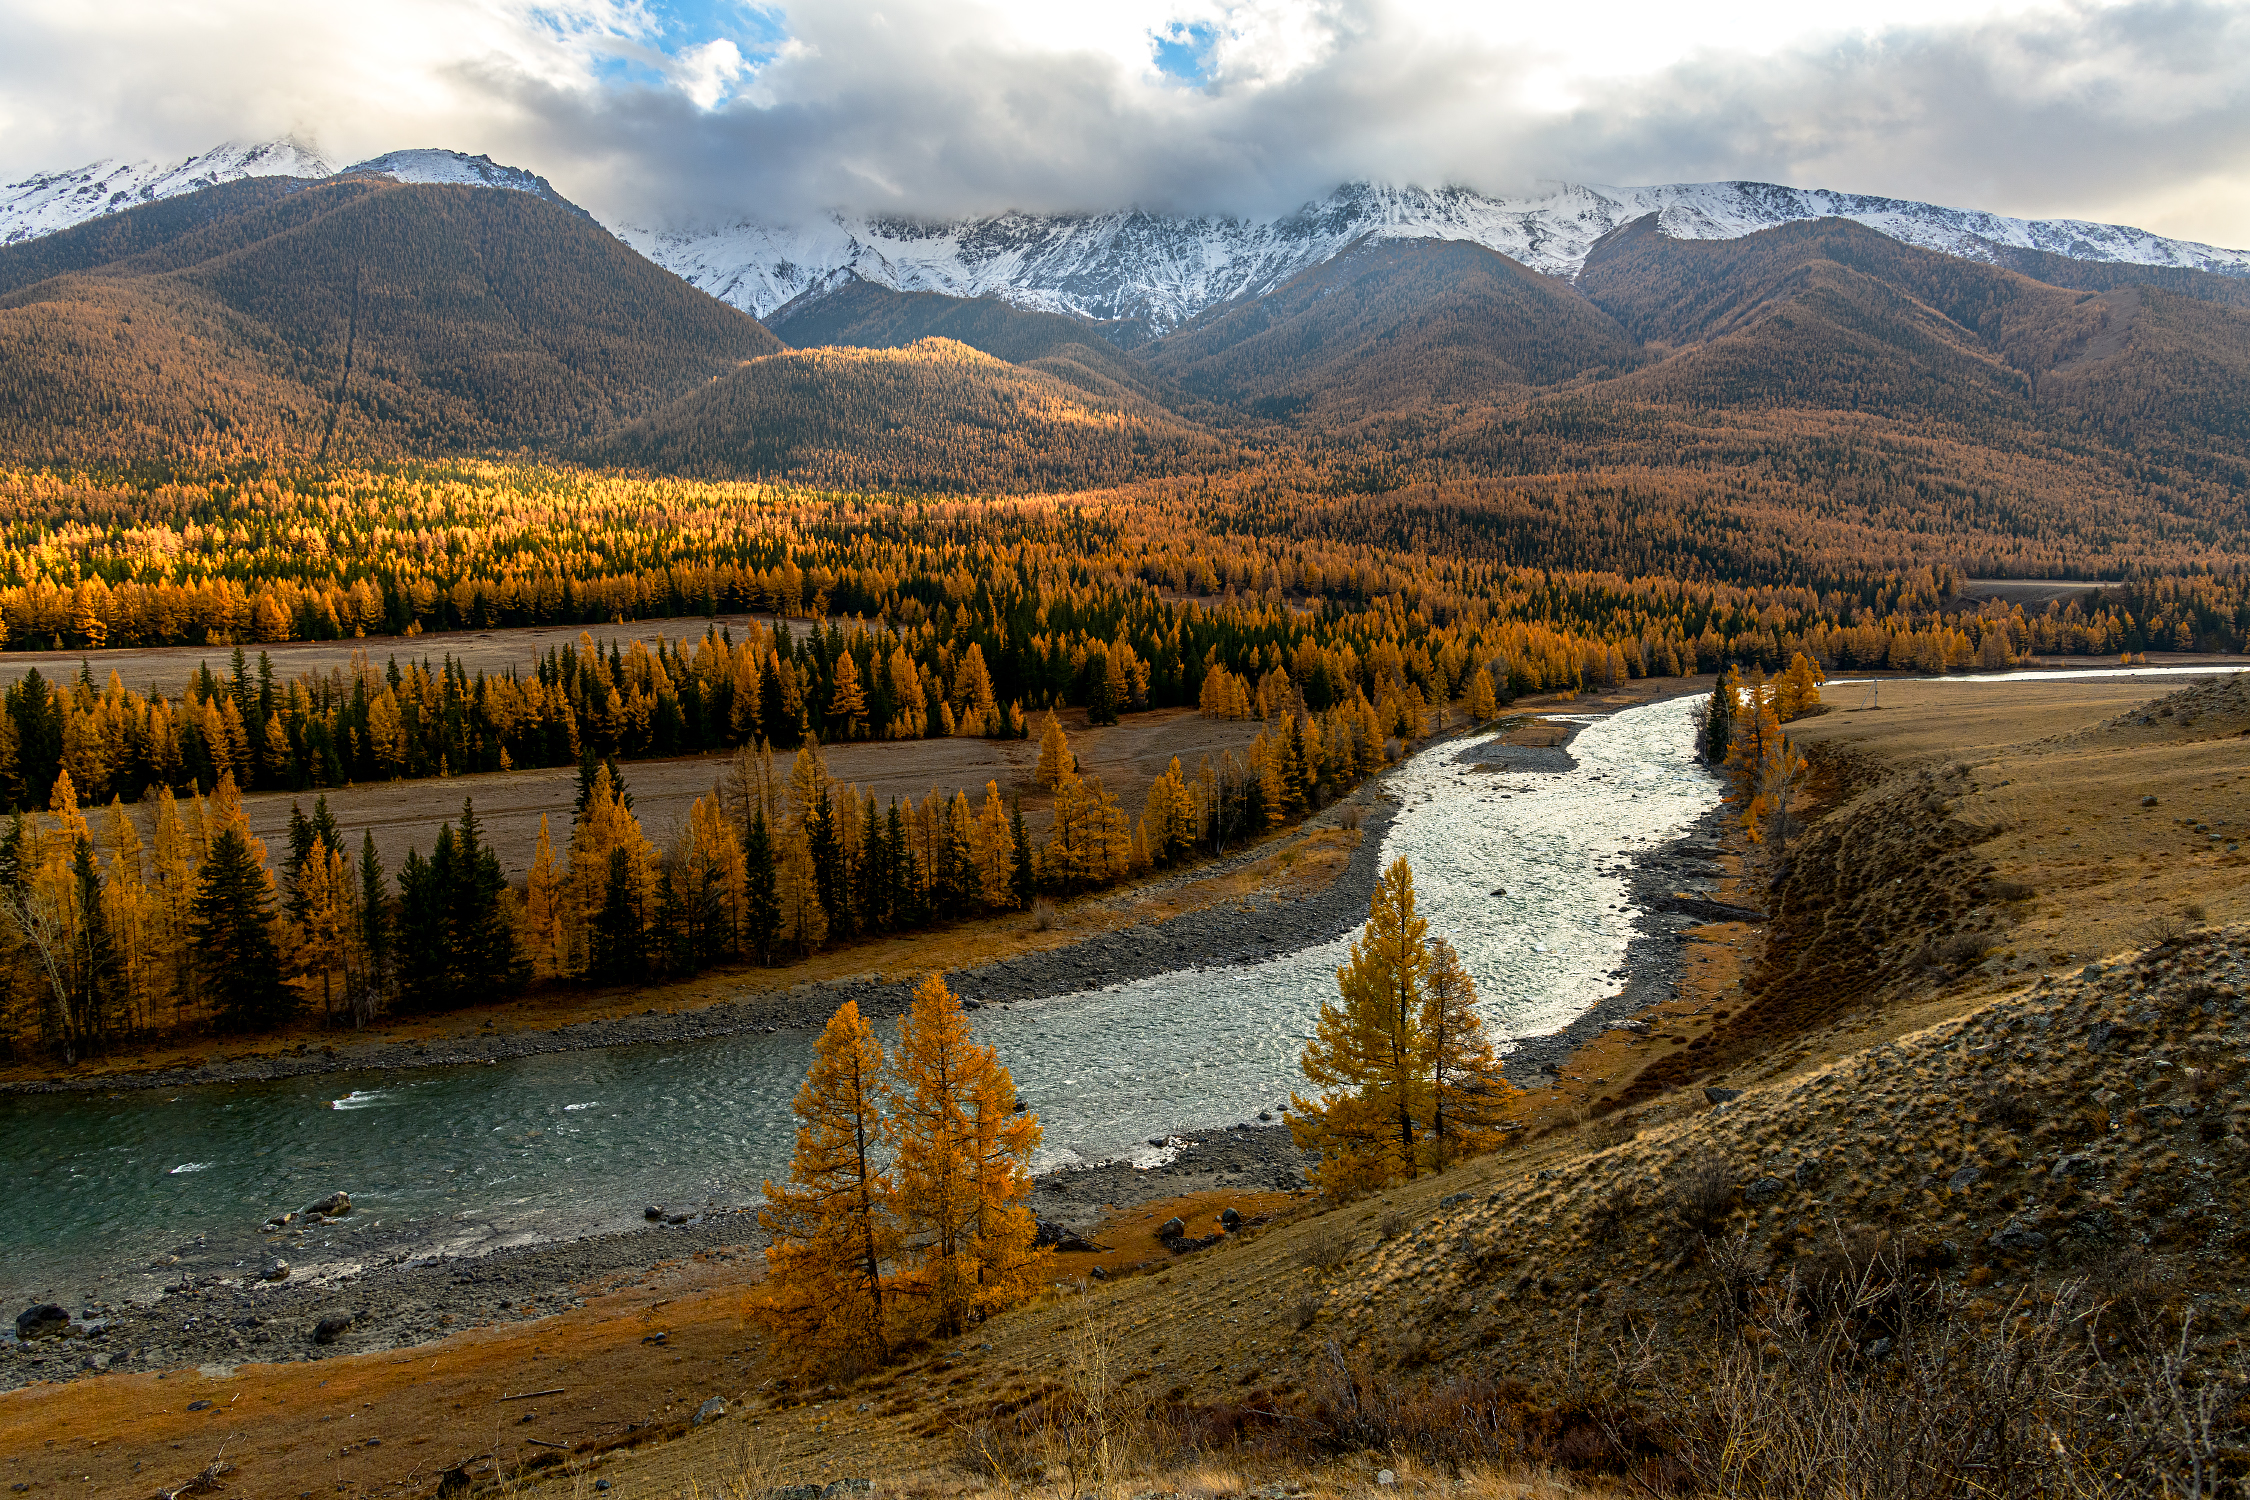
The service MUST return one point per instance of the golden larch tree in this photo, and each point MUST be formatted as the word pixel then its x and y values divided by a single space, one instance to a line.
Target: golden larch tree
pixel 1055 759
pixel 835 1231
pixel 961 1167
pixel 1468 1094
pixel 1367 1052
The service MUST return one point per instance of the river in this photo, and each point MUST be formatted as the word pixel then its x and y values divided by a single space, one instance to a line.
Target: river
pixel 571 1143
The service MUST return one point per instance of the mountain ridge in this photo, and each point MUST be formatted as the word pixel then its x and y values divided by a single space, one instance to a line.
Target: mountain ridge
pixel 1132 266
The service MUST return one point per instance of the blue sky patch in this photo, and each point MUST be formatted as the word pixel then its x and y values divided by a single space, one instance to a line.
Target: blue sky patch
pixel 1183 50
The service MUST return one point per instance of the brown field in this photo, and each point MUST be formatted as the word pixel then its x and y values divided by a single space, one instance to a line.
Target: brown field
pixel 167 669
pixel 406 814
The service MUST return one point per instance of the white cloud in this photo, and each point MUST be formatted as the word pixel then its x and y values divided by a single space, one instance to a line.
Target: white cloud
pixel 2138 112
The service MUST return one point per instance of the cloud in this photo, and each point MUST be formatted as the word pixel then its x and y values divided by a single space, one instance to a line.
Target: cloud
pixel 2136 112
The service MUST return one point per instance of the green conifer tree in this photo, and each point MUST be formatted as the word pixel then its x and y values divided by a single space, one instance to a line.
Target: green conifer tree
pixel 233 945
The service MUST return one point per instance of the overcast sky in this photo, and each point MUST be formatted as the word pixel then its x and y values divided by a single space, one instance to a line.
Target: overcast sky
pixel 2134 113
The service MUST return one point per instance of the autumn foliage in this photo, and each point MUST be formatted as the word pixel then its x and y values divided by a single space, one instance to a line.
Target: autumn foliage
pixel 904 1211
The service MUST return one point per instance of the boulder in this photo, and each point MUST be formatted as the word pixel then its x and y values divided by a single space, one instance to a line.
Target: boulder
pixel 653 1214
pixel 334 1206
pixel 1173 1228
pixel 1765 1190
pixel 2017 1240
pixel 1722 1096
pixel 331 1328
pixel 42 1320
pixel 1230 1219
pixel 1963 1180
pixel 277 1269
pixel 709 1411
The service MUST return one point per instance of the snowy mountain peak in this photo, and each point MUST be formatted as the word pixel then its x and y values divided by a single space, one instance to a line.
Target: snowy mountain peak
pixel 1164 269
pixel 52 201
pixel 48 201
pixel 434 165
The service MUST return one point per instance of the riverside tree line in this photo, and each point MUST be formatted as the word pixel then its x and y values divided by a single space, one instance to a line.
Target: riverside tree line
pixel 111 936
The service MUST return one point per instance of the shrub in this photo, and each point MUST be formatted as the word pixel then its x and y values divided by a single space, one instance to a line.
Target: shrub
pixel 1700 1194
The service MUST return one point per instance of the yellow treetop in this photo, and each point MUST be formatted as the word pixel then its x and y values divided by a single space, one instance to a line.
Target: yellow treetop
pixel 1056 763
pixel 1368 1048
pixel 834 1226
pixel 962 1166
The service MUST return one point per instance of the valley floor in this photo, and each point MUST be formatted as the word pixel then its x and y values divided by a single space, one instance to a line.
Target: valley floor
pixel 2022 1118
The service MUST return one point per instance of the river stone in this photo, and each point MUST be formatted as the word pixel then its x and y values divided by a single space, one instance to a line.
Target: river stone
pixel 277 1270
pixel 331 1328
pixel 653 1214
pixel 1231 1219
pixel 709 1411
pixel 1173 1228
pixel 334 1206
pixel 42 1320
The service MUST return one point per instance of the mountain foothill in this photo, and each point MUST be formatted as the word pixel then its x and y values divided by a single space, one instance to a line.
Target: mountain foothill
pixel 1818 368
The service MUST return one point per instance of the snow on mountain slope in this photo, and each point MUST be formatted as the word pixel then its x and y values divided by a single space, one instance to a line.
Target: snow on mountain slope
pixel 431 165
pixel 1166 269
pixel 50 201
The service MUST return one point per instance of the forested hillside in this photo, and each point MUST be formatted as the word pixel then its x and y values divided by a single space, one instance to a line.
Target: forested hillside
pixel 415 319
pixel 936 416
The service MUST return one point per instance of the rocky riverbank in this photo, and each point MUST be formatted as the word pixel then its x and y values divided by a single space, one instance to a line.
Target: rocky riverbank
pixel 220 1304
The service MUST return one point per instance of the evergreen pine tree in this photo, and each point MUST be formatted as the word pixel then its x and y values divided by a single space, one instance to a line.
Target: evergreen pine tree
pixel 425 945
pixel 485 960
pixel 619 945
pixel 94 965
pixel 1024 878
pixel 300 850
pixel 831 876
pixel 762 924
pixel 374 914
pixel 1716 735
pixel 240 970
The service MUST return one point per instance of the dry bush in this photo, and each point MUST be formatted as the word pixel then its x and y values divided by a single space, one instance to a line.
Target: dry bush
pixel 1045 916
pixel 1392 1224
pixel 1327 1244
pixel 1959 951
pixel 1949 1405
pixel 1077 1440
pixel 2165 930
pixel 1350 817
pixel 1307 1310
pixel 1700 1193
pixel 1613 1130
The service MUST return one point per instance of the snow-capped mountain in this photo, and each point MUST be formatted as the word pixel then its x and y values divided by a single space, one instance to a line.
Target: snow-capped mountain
pixel 56 200
pixel 1160 269
pixel 1166 269
pixel 431 165
pixel 50 201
